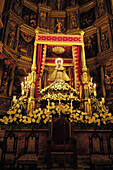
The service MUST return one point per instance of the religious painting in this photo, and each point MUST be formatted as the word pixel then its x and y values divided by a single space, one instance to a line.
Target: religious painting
pixel 26 43
pixel 12 35
pixel 35 1
pixel 81 2
pixel 72 2
pixel 43 18
pixel 91 47
pixel 109 78
pixel 29 17
pixel 17 7
pixel 87 18
pixel 73 20
pixel 5 77
pixel 104 41
pixel 58 4
pixel 11 41
pixel 59 26
pixel 99 8
pixel 52 25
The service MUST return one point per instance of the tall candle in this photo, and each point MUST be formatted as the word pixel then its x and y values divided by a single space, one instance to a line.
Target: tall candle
pixel 103 101
pixel 22 86
pixel 94 86
pixel 14 98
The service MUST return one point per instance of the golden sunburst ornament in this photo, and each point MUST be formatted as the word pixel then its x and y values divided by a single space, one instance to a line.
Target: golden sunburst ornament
pixel 58 50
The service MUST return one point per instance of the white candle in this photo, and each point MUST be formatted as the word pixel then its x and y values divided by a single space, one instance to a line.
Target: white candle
pixel 94 86
pixel 48 95
pixel 22 86
pixel 14 98
pixel 91 81
pixel 71 94
pixel 95 94
pixel 22 92
pixel 103 101
pixel 27 78
pixel 89 101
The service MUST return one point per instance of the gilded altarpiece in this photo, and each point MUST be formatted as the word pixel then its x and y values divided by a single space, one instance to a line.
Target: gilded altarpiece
pixel 91 47
pixel 87 18
pixel 26 42
pixel 108 80
pixel 29 17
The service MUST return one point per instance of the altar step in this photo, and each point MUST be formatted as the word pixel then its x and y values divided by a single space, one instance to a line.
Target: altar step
pixel 83 163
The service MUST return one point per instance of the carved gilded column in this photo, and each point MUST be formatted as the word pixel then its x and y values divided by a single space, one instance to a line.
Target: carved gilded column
pixel 112 5
pixel 34 55
pixel 7 32
pixel 83 57
pixel 102 82
pixel 84 73
pixel 12 81
pixel 68 23
pixel 1 73
pixel 98 39
pixel 109 35
pixel 1 10
pixel 69 71
pixel 18 30
pixel 48 21
pixel 45 79
pixel 78 20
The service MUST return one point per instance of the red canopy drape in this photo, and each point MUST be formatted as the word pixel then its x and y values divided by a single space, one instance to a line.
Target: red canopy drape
pixel 41 52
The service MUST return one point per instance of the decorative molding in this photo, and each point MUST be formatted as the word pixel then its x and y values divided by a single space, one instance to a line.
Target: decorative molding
pixel 77 31
pixel 42 30
pixel 6 51
pixel 51 62
pixel 89 31
pixel 27 29
pixel 86 7
pixel 30 5
pixel 24 62
pixel 1 23
pixel 14 17
pixel 72 9
pixel 58 14
pixel 101 58
pixel 44 7
pixel 59 39
pixel 102 20
pixel 1 47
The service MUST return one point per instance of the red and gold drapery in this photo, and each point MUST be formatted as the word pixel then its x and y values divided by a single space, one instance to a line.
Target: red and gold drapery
pixel 41 54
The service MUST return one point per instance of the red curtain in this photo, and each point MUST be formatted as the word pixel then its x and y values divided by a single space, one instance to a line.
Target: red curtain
pixel 81 71
pixel 39 57
pixel 41 50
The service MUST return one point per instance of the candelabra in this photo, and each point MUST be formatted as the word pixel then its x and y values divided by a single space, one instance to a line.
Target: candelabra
pixel 92 88
pixel 27 92
pixel 91 91
pixel 25 86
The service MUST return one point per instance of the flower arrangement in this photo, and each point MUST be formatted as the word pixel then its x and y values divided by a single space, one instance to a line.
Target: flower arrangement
pixel 58 86
pixel 41 115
